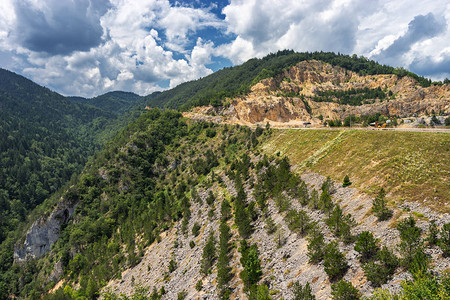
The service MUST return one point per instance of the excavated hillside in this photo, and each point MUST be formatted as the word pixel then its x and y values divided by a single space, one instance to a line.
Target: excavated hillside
pixel 289 98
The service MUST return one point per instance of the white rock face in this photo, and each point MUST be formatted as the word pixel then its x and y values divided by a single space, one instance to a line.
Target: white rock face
pixel 44 232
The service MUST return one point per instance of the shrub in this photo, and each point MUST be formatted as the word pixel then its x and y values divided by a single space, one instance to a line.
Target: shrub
pixel 196 229
pixel 334 261
pixel 192 244
pixel 444 240
pixel 344 290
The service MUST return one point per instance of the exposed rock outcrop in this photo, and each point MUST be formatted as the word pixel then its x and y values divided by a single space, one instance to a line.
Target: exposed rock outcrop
pixel 268 100
pixel 44 232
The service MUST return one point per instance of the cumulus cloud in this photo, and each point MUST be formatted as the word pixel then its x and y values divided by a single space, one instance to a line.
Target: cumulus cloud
pixel 59 26
pixel 422 27
pixel 312 25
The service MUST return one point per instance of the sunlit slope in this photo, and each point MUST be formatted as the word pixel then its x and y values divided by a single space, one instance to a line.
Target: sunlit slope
pixel 410 166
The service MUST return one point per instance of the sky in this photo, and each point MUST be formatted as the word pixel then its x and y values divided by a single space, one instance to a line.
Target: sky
pixel 89 47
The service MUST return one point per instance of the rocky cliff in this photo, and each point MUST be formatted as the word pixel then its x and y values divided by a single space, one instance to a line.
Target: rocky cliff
pixel 268 100
pixel 44 232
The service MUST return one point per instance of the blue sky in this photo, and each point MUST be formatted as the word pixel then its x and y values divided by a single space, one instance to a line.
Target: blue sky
pixel 89 47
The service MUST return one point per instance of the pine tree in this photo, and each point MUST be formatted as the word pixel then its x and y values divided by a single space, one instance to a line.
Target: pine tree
pixel 366 246
pixel 209 254
pixel 334 261
pixel 346 182
pixel 379 206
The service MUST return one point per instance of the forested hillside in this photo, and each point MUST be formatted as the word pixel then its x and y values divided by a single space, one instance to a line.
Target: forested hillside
pixel 196 191
pixel 237 80
pixel 44 140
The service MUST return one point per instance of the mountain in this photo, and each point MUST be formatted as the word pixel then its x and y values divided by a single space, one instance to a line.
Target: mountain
pixel 115 102
pixel 174 207
pixel 237 81
pixel 45 139
pixel 183 209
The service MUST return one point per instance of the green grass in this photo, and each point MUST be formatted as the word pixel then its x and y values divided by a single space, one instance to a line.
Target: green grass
pixel 411 166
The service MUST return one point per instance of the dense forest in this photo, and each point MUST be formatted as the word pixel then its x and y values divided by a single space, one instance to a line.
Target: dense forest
pixel 44 140
pixel 115 102
pixel 237 80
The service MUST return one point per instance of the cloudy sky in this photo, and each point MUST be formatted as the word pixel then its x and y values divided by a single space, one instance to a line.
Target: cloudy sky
pixel 88 47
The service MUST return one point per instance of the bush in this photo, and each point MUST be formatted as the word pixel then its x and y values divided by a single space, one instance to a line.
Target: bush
pixel 192 244
pixel 344 290
pixel 196 229
pixel 444 241
pixel 334 262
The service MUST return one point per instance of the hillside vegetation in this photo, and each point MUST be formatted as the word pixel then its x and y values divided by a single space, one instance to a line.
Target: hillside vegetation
pixel 410 166
pixel 179 209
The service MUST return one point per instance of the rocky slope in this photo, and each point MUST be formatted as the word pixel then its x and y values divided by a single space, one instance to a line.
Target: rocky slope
pixel 267 101
pixel 282 266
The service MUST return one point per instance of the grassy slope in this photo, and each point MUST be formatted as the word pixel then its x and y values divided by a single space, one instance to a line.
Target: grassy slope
pixel 410 166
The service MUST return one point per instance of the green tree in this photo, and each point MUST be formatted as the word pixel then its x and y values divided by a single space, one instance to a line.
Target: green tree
pixel 380 208
pixel 251 263
pixel 444 240
pixel 302 292
pixel 381 271
pixel 209 254
pixel 433 234
pixel 325 202
pixel 225 210
pixel 366 245
pixel 344 290
pixel 334 261
pixel 316 246
pixel 346 182
pixel 411 246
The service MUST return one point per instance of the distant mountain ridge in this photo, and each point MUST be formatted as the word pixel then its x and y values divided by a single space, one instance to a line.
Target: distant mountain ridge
pixel 116 101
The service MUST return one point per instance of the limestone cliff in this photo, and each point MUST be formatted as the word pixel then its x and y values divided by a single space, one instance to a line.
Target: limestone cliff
pixel 44 232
